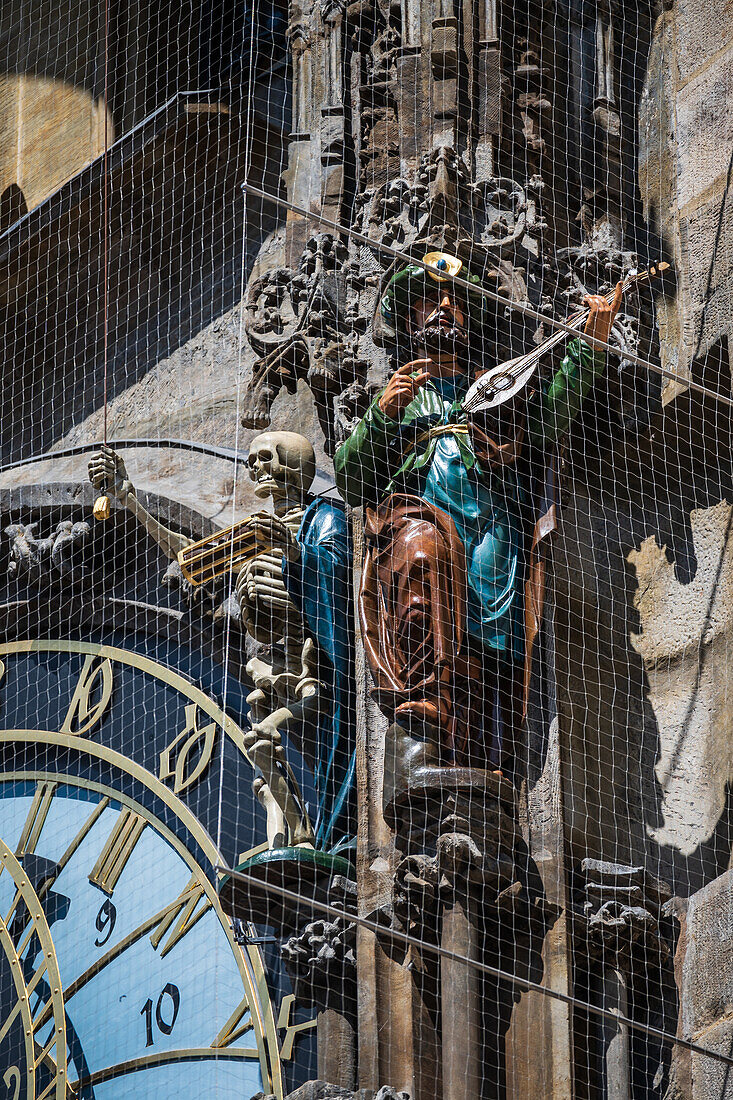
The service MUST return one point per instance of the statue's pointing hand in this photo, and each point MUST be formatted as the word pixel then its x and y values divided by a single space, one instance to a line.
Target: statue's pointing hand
pixel 108 474
pixel 601 317
pixel 402 387
pixel 272 533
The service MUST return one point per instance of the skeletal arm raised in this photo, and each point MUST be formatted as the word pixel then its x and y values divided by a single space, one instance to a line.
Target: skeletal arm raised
pixel 108 473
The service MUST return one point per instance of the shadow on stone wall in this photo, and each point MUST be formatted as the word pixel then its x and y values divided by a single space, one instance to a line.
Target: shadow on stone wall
pixel 644 568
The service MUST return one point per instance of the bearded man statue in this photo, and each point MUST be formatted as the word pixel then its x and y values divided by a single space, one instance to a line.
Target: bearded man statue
pixel 456 508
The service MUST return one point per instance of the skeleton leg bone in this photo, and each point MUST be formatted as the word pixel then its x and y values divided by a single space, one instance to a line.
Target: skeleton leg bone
pixel 282 799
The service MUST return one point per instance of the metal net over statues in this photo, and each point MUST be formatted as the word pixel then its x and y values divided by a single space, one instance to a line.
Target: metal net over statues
pixel 366 507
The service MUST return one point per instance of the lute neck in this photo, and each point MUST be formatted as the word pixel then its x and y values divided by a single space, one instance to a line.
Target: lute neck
pixel 575 319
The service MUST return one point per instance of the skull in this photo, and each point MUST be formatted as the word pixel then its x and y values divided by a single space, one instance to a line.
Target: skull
pixel 281 464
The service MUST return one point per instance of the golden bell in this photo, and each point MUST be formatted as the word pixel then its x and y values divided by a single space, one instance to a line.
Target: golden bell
pixel 102 508
pixel 442 265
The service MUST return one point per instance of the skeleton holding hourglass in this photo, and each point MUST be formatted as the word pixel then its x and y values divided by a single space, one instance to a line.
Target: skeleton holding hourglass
pixel 292 596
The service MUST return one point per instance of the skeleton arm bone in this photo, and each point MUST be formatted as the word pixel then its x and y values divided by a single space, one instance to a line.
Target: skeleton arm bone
pixel 108 473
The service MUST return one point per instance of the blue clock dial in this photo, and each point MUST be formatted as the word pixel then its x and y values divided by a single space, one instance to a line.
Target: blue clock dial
pixel 134 950
pixel 106 789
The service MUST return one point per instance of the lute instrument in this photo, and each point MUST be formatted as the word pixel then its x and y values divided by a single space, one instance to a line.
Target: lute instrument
pixel 503 382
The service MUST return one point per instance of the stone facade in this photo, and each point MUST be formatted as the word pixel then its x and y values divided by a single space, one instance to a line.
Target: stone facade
pixel 568 143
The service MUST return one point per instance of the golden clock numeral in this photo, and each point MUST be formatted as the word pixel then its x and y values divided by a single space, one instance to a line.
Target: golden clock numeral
pixel 234 1028
pixel 11 1078
pixel 174 757
pixel 185 911
pixel 36 818
pixel 91 695
pixel 291 1030
pixel 183 915
pixel 117 850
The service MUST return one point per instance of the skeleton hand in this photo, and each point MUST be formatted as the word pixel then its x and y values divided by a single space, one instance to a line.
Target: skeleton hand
pixel 108 474
pixel 264 738
pixel 273 533
pixel 260 584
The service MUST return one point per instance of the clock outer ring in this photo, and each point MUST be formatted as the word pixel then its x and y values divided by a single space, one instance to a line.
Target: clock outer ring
pixel 58 1015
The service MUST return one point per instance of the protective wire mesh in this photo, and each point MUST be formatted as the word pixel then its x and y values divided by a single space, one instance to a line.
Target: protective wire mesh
pixel 365 482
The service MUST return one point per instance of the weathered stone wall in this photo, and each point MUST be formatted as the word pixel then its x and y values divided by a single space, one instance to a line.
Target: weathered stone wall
pixel 686 171
pixel 644 568
pixel 704 975
pixel 644 564
pixel 51 106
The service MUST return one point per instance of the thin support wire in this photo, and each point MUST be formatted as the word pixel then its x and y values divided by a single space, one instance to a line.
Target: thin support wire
pixel 475 288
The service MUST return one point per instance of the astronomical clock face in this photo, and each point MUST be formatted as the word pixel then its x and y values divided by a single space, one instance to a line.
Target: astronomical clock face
pixel 120 973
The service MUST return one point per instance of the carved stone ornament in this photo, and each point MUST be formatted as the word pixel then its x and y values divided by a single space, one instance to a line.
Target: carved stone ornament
pixel 297 323
pixel 50 561
pixel 455 832
pixel 321 1090
pixel 321 958
pixel 627 922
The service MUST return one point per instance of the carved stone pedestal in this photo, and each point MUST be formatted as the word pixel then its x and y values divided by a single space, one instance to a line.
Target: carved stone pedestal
pixel 321 962
pixel 304 872
pixel 628 935
pixel 454 839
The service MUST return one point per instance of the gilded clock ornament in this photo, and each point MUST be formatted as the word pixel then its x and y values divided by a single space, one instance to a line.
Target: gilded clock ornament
pixel 32 1019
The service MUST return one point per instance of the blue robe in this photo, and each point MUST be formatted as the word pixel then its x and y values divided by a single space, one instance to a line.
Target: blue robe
pixel 319 584
pixel 489 517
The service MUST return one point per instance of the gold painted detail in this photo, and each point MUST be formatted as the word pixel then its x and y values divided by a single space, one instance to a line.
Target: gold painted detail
pixel 185 912
pixel 109 956
pixel 91 695
pixel 249 962
pixel 114 655
pixel 220 553
pixel 234 1028
pixel 102 508
pixel 36 818
pixel 174 758
pixel 52 1053
pixel 166 1057
pixel 442 265
pixel 117 850
pixel 291 1030
pixel 11 1078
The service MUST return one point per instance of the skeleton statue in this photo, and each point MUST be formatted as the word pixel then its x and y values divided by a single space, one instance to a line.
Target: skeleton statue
pixel 282 466
pixel 292 595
